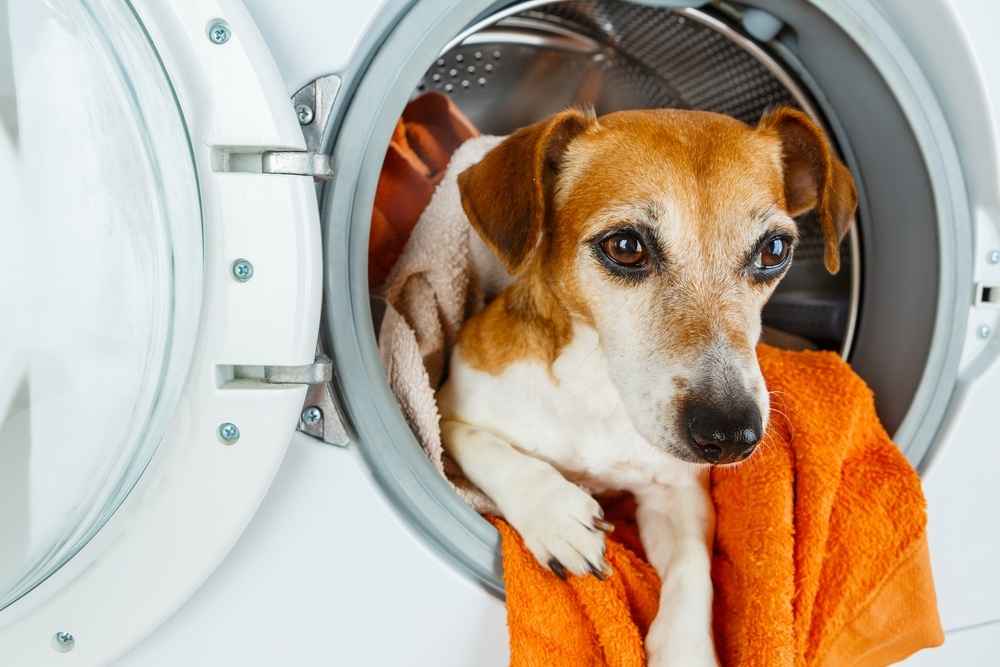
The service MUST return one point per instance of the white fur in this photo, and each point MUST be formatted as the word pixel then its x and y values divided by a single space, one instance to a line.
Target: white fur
pixel 525 435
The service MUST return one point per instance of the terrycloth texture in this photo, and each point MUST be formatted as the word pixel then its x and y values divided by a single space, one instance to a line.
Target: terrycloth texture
pixel 837 528
pixel 444 276
pixel 820 555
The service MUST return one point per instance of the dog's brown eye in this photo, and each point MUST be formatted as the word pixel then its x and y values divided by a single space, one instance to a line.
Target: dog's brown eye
pixel 625 249
pixel 773 253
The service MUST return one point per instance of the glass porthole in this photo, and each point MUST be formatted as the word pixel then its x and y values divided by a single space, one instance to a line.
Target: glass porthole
pixel 101 237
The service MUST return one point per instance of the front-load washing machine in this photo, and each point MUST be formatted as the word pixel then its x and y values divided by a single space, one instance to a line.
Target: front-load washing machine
pixel 186 192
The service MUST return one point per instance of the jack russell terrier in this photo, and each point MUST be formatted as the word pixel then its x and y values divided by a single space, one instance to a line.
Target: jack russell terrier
pixel 642 246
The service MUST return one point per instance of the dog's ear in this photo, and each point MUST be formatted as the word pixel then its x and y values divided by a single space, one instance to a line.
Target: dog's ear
pixel 508 194
pixel 814 177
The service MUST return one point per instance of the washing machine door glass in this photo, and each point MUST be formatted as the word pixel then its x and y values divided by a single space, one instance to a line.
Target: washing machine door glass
pixel 101 237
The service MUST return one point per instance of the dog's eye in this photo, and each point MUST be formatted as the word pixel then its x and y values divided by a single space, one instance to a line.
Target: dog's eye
pixel 773 253
pixel 624 248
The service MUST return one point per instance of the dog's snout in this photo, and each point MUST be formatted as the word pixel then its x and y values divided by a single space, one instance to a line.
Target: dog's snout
pixel 723 434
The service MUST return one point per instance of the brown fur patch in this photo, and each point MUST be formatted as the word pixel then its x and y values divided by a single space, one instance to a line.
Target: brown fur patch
pixel 516 325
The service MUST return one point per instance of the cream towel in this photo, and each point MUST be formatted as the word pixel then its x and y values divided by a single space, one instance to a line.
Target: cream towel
pixel 444 275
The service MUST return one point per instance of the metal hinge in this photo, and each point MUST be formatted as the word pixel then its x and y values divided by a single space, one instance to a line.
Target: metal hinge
pixel 313 105
pixel 299 163
pixel 320 370
pixel 303 163
pixel 320 416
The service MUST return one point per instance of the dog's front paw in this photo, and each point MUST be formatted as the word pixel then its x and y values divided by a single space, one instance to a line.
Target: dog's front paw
pixel 561 524
pixel 668 645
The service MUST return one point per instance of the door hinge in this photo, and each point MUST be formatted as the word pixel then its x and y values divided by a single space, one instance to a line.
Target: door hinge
pixel 313 105
pixel 320 370
pixel 303 163
pixel 298 163
pixel 321 416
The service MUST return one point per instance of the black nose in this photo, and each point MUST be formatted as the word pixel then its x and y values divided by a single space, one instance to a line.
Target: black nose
pixel 720 434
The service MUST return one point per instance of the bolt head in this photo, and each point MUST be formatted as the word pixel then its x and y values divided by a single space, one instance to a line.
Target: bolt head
pixel 984 331
pixel 994 257
pixel 312 415
pixel 229 432
pixel 305 114
pixel 63 642
pixel 218 32
pixel 242 270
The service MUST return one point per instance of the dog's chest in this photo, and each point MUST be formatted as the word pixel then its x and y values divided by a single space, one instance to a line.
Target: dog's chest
pixel 571 417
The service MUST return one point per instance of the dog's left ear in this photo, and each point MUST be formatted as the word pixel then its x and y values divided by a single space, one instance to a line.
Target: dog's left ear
pixel 814 177
pixel 508 194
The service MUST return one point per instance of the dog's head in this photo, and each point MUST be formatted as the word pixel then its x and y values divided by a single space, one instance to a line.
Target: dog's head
pixel 667 231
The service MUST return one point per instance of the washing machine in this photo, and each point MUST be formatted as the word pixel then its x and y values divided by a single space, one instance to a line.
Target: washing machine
pixel 201 461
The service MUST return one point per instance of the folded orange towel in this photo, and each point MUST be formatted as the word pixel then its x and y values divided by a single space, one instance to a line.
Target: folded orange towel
pixel 820 551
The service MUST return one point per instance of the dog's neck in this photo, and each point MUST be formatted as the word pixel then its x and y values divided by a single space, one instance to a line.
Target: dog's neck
pixel 527 320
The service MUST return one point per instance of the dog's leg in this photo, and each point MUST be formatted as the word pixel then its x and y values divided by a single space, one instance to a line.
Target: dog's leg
pixel 677 524
pixel 558 521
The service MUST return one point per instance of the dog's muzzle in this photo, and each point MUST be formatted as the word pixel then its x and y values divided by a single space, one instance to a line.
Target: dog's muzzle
pixel 723 434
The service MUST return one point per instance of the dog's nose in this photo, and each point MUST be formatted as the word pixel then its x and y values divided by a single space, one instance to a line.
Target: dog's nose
pixel 723 434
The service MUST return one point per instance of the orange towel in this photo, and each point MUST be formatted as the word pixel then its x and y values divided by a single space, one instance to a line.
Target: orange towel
pixel 429 131
pixel 820 551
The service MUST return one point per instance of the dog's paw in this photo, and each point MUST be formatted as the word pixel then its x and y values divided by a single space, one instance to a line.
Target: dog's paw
pixel 562 526
pixel 668 646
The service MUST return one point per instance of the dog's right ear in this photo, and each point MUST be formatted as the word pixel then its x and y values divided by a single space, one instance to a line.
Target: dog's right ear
pixel 508 195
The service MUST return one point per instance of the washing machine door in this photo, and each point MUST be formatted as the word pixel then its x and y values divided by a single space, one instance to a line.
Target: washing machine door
pixel 161 298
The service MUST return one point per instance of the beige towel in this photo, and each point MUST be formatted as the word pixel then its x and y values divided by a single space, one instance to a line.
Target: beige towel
pixel 445 275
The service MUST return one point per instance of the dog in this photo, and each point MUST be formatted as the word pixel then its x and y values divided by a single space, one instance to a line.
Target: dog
pixel 642 247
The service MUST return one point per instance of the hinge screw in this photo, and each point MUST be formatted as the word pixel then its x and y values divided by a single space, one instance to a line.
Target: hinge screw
pixel 984 331
pixel 311 415
pixel 994 257
pixel 242 270
pixel 305 113
pixel 63 642
pixel 229 432
pixel 219 32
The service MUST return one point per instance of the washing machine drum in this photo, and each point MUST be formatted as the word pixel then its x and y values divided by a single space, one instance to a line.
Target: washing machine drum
pixel 896 309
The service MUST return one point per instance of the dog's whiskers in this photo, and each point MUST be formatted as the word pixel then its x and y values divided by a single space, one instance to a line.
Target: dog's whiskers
pixel 776 411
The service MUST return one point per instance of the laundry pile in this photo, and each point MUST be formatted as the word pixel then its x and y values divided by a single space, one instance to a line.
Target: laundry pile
pixel 422 143
pixel 820 549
